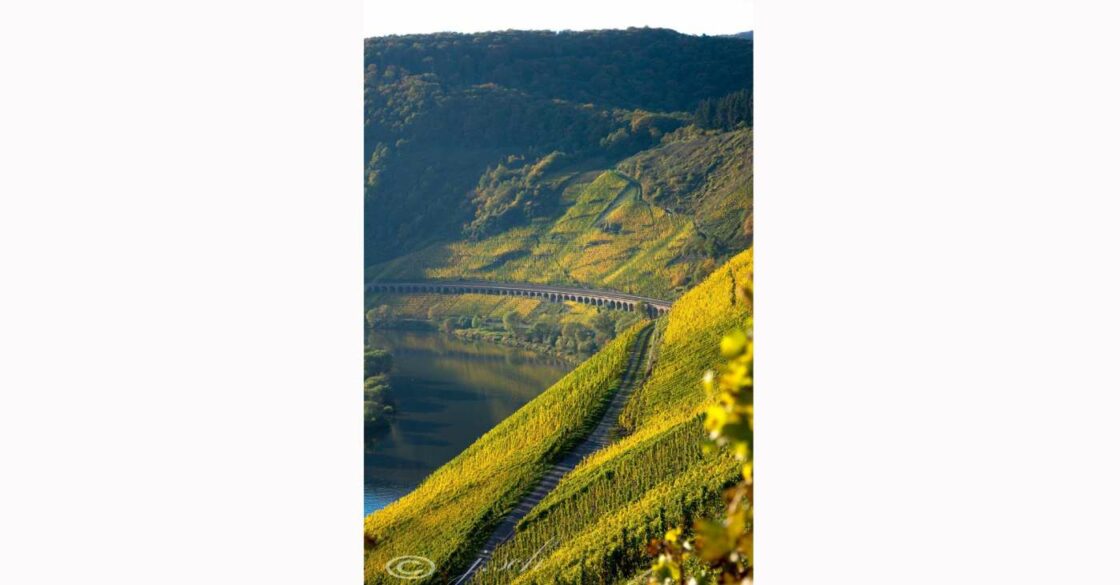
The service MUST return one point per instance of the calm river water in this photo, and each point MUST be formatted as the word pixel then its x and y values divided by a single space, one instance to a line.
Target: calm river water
pixel 448 393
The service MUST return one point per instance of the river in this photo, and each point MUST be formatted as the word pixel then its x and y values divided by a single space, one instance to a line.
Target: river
pixel 448 392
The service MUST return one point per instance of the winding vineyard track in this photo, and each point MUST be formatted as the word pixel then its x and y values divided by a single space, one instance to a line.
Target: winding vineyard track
pixel 599 298
pixel 599 437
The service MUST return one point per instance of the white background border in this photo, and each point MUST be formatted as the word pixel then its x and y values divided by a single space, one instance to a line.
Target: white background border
pixel 181 231
pixel 180 247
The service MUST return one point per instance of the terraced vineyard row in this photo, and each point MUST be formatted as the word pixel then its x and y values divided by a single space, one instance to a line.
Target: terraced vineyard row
pixel 452 513
pixel 594 442
pixel 592 528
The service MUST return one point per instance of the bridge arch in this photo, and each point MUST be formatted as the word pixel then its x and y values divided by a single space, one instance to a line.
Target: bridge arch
pixel 616 301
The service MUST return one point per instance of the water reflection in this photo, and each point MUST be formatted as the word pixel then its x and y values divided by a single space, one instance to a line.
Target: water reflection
pixel 448 393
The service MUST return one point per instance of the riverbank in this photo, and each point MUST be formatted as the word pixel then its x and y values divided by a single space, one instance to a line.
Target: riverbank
pixel 484 336
pixel 566 330
pixel 448 392
pixel 379 406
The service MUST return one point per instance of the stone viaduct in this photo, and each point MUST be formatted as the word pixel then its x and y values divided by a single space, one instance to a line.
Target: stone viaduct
pixel 556 294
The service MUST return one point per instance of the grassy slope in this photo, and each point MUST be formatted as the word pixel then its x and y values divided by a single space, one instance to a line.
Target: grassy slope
pixel 592 528
pixel 709 179
pixel 609 234
pixel 449 514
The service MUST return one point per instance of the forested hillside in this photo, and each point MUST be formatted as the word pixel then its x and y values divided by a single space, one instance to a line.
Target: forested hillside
pixel 655 69
pixel 502 155
pixel 654 225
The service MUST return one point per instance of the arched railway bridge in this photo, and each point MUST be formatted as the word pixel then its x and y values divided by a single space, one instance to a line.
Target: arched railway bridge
pixel 556 294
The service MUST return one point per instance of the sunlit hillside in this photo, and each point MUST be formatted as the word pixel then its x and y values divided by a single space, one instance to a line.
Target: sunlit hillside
pixel 597 521
pixel 619 160
pixel 448 516
pixel 654 233
pixel 653 477
pixel 458 127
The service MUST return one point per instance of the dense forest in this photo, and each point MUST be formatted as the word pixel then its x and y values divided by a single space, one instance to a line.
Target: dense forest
pixel 469 136
pixel 654 69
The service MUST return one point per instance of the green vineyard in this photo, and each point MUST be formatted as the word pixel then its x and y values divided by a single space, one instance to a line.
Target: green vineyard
pixel 447 515
pixel 593 526
pixel 641 234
